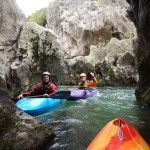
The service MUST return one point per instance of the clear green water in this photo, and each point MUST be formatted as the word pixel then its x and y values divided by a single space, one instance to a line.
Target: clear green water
pixel 78 122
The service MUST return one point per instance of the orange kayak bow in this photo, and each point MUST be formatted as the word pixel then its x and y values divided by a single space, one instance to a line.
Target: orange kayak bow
pixel 118 135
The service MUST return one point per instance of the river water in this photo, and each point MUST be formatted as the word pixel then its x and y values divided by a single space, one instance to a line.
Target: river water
pixel 76 123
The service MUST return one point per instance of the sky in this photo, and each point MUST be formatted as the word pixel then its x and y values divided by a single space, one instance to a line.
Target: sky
pixel 30 6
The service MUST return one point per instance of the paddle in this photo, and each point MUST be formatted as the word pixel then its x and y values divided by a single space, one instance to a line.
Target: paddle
pixel 57 95
pixel 61 95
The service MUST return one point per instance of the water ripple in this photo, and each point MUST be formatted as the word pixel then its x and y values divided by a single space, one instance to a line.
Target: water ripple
pixel 77 122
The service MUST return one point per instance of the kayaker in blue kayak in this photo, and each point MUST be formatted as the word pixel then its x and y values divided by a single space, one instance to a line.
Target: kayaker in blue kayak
pixel 44 88
pixel 84 83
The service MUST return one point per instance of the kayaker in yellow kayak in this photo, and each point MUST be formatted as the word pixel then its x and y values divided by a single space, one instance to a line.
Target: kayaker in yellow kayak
pixel 44 88
pixel 84 83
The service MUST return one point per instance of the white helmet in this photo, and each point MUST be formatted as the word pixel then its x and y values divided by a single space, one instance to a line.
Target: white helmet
pixel 46 73
pixel 82 75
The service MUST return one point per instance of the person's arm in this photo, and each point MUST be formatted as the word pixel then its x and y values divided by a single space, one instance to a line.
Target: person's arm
pixel 53 89
pixel 28 93
pixel 93 82
pixel 33 91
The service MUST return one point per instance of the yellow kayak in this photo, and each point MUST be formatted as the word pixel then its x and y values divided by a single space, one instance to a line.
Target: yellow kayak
pixel 118 135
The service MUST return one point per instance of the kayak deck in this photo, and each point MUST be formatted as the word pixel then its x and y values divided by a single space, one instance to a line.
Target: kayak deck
pixel 118 135
pixel 37 105
pixel 82 94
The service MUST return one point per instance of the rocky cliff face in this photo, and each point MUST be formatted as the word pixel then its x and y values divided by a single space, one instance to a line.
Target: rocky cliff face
pixel 140 12
pixel 99 33
pixel 11 19
pixel 26 50
pixel 94 38
pixel 38 50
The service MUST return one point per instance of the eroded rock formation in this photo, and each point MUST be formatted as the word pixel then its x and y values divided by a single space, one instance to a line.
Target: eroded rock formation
pixel 27 50
pixel 95 37
pixel 98 33
pixel 38 49
pixel 11 19
pixel 23 47
pixel 141 19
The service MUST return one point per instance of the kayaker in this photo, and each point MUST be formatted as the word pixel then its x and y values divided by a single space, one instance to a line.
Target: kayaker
pixel 84 83
pixel 45 88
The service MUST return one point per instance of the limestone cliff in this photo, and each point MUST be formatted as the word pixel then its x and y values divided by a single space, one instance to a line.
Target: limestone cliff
pixel 140 13
pixel 92 36
pixel 99 33
pixel 11 19
pixel 37 50
pixel 26 50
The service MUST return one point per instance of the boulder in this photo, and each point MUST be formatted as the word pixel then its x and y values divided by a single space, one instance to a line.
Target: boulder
pixel 18 129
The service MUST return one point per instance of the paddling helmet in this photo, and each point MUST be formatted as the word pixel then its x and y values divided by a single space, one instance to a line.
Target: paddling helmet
pixel 45 73
pixel 82 75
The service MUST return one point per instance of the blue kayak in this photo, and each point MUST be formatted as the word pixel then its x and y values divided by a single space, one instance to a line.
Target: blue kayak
pixel 37 105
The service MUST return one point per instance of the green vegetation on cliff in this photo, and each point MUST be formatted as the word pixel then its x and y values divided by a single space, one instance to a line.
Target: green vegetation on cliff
pixel 39 17
pixel 53 4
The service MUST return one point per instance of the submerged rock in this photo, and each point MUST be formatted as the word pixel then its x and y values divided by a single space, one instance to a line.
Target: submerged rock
pixel 18 129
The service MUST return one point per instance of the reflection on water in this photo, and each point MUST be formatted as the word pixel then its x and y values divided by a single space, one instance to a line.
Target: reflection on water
pixel 78 122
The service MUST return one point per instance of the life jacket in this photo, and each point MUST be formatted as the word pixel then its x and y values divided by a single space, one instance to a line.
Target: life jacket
pixel 44 89
pixel 82 85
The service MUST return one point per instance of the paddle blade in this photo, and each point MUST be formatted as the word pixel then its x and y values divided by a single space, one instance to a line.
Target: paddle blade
pixel 62 95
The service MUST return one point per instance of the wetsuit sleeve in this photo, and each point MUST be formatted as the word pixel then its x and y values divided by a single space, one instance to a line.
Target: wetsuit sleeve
pixel 92 83
pixel 33 91
pixel 53 89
